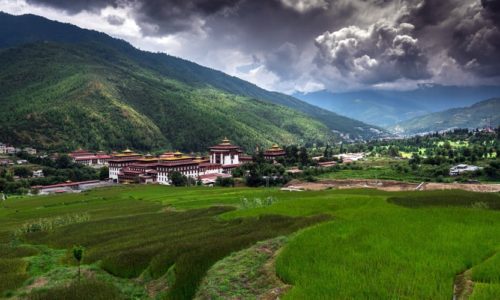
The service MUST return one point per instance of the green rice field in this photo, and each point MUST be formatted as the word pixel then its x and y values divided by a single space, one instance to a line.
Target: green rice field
pixel 155 242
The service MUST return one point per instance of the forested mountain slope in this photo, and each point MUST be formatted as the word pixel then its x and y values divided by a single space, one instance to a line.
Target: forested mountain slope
pixel 65 87
pixel 482 114
pixel 58 96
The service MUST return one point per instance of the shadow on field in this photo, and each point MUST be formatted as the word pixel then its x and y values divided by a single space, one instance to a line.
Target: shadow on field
pixel 448 198
pixel 186 244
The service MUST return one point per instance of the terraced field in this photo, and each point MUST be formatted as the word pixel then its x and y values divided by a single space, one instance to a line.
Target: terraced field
pixel 153 242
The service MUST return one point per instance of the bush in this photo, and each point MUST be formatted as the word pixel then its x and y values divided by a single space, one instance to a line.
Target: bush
pixel 224 182
pixel 22 172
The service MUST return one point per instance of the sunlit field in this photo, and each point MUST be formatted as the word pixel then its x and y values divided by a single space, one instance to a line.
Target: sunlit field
pixel 154 242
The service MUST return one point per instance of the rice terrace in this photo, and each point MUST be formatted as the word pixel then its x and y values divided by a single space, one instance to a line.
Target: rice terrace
pixel 156 242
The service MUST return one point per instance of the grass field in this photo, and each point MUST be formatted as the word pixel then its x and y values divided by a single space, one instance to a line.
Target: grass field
pixel 158 242
pixel 374 168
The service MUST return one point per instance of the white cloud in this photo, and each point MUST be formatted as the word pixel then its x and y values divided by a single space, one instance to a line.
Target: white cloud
pixel 383 52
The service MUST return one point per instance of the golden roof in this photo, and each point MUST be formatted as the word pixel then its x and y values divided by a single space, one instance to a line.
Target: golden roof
pixel 176 157
pixel 148 157
pixel 226 141
pixel 126 152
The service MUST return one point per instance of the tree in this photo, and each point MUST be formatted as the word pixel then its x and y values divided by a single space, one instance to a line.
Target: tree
pixel 259 157
pixel 326 153
pixel 104 173
pixel 304 157
pixel 78 255
pixel 238 172
pixel 64 162
pixel 178 179
pixel 22 172
pixel 224 182
pixel 393 151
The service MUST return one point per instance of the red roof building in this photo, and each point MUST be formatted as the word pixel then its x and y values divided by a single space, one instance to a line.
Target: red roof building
pixel 274 152
pixel 130 167
pixel 121 160
pixel 87 158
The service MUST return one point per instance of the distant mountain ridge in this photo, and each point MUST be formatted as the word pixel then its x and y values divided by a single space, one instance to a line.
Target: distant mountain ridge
pixel 479 115
pixel 58 75
pixel 386 108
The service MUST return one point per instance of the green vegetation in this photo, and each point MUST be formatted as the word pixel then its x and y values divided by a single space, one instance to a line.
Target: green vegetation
pixel 13 273
pixel 81 98
pixel 247 274
pixel 90 289
pixel 421 158
pixel 453 198
pixel 155 241
pixel 80 88
pixel 55 171
pixel 189 241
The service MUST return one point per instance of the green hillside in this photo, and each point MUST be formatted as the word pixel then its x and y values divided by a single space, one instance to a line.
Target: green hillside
pixel 71 87
pixel 65 96
pixel 481 114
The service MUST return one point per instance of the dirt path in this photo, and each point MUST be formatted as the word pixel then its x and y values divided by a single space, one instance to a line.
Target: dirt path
pixel 389 185
pixel 462 288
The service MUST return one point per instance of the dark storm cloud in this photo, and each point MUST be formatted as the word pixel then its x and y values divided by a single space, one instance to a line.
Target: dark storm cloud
pixel 491 5
pixel 72 6
pixel 115 20
pixel 469 32
pixel 282 60
pixel 476 39
pixel 155 17
pixel 369 41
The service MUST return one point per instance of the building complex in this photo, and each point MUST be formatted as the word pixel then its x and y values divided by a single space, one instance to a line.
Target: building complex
pixel 131 167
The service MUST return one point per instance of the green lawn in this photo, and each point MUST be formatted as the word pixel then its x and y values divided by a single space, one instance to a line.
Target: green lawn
pixel 348 243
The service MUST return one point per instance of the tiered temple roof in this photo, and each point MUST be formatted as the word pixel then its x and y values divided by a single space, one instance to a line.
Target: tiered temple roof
pixel 225 145
pixel 274 151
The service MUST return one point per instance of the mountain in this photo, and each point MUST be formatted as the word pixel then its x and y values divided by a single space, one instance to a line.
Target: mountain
pixel 64 87
pixel 386 108
pixel 479 115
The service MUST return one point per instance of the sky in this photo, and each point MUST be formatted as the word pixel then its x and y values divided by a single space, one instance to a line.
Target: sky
pixel 305 45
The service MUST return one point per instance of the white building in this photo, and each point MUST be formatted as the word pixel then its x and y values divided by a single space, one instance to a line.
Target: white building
pixel 351 156
pixel 463 168
pixel 30 151
pixel 38 173
pixel 3 148
pixel 225 154
pixel 12 150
